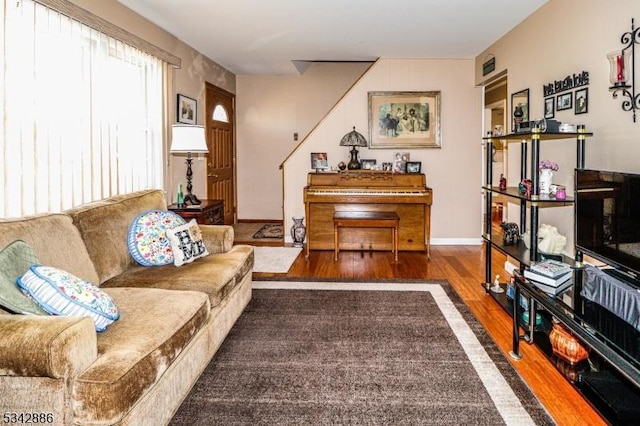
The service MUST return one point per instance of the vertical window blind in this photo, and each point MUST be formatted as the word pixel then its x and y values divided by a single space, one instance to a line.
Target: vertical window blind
pixel 82 113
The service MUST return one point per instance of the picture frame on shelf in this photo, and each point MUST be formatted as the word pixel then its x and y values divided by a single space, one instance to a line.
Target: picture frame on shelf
pixel 519 109
pixel 413 167
pixel 404 120
pixel 400 161
pixel 319 161
pixel 187 109
pixel 387 167
pixel 549 109
pixel 581 101
pixel 564 101
pixel 368 164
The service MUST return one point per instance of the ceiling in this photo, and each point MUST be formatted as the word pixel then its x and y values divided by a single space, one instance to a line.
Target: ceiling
pixel 276 37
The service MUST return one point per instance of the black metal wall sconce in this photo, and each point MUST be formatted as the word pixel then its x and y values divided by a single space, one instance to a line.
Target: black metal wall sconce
pixel 622 71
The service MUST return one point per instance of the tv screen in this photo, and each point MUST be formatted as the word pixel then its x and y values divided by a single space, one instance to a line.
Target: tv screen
pixel 608 217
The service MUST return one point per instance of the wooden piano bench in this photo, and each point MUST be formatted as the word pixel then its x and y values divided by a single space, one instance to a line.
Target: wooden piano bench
pixel 366 219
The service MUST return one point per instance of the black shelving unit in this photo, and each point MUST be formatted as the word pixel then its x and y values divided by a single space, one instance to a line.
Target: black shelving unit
pixel 610 378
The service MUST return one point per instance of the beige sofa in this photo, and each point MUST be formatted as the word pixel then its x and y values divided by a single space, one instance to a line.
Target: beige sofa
pixel 172 319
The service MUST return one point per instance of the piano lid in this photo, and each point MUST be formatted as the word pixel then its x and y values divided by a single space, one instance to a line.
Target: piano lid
pixel 367 178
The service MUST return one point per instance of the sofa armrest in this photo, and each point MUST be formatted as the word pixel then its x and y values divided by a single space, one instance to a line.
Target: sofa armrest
pixel 217 238
pixel 46 346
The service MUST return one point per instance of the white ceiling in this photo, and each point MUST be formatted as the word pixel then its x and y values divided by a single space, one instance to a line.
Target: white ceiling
pixel 268 36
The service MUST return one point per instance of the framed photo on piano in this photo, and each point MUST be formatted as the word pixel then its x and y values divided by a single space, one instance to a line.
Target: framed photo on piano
pixel 405 120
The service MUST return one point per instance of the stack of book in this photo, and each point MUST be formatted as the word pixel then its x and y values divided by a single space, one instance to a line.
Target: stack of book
pixel 551 276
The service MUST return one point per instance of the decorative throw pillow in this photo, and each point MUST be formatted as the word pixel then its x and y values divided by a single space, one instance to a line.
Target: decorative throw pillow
pixel 61 293
pixel 147 239
pixel 15 260
pixel 187 243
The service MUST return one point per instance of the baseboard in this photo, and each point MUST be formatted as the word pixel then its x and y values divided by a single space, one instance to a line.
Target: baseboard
pixel 456 241
pixel 278 221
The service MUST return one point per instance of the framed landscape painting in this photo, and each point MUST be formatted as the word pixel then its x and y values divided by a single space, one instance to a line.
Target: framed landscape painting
pixel 404 120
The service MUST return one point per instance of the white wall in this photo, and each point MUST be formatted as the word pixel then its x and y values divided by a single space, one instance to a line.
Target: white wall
pixel 562 38
pixel 452 171
pixel 269 110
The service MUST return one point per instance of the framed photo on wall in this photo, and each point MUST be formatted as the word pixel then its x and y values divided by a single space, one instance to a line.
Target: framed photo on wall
pixel 187 109
pixel 549 110
pixel 404 120
pixel 564 101
pixel 582 101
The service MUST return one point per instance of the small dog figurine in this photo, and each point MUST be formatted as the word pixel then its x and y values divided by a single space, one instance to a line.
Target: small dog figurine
pixel 511 233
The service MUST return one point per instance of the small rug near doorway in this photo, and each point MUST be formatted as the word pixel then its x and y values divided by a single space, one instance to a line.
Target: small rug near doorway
pixel 270 230
pixel 275 260
pixel 358 353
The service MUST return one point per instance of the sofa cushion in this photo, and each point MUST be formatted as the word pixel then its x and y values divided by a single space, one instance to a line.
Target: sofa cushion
pixel 216 275
pixel 186 243
pixel 147 237
pixel 61 293
pixel 15 260
pixel 104 225
pixel 54 240
pixel 155 327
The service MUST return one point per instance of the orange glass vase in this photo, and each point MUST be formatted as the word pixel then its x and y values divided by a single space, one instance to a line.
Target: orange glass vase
pixel 566 346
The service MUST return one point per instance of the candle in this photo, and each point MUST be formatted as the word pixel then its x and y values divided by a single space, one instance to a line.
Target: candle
pixel 620 62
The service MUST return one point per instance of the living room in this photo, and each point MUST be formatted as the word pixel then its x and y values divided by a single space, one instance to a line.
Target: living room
pixel 560 39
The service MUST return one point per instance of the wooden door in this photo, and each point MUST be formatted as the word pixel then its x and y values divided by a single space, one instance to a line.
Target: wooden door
pixel 221 170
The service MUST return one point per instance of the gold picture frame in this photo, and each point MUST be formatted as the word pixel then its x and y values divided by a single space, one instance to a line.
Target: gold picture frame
pixel 404 120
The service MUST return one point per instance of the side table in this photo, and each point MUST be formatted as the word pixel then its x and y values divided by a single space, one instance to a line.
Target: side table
pixel 210 212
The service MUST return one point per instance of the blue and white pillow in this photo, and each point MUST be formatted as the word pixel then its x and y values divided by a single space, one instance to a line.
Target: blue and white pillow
pixel 61 293
pixel 147 239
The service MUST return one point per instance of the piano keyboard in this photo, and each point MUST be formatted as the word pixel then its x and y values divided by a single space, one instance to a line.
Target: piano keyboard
pixel 409 192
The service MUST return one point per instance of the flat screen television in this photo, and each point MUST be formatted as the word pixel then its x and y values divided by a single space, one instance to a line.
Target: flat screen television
pixel 607 216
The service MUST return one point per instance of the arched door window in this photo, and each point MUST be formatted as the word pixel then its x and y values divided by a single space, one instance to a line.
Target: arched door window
pixel 220 114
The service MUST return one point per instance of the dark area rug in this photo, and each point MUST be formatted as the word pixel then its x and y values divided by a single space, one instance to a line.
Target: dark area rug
pixel 323 357
pixel 269 231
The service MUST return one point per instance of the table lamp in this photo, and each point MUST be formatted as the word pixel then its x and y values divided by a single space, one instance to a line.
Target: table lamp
pixel 188 139
pixel 353 139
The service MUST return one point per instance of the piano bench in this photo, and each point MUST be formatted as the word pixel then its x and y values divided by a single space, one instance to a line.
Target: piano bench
pixel 366 219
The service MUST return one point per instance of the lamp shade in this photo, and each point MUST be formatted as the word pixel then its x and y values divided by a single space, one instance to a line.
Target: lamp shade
pixel 188 138
pixel 353 138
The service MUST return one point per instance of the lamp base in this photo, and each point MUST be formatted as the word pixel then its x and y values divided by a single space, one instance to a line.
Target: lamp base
pixel 354 164
pixel 192 199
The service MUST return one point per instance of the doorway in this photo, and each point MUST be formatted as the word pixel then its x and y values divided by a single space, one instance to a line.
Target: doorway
pixel 221 165
pixel 495 101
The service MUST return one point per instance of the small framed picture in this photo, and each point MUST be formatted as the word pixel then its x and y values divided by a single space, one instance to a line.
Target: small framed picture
pixel 582 101
pixel 187 109
pixel 319 161
pixel 387 167
pixel 367 164
pixel 549 110
pixel 400 162
pixel 564 101
pixel 413 166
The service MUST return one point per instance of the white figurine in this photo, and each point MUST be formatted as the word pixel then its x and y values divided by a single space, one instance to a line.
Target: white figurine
pixel 496 285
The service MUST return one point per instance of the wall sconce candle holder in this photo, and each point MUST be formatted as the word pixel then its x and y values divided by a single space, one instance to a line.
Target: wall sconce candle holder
pixel 622 71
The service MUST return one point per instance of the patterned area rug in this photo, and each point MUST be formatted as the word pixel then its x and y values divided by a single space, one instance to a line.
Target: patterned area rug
pixel 269 231
pixel 359 353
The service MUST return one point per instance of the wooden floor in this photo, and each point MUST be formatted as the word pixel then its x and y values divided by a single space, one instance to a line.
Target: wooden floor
pixel 463 267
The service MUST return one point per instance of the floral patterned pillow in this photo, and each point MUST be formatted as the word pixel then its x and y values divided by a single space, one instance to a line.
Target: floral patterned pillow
pixel 147 239
pixel 61 293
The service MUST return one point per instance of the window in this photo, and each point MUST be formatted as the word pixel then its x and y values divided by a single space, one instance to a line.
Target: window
pixel 82 111
pixel 220 114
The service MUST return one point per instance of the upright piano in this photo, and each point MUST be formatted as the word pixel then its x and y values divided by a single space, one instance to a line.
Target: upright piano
pixel 406 194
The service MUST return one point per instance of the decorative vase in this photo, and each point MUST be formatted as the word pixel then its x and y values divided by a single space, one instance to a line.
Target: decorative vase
pixel 546 177
pixel 298 231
